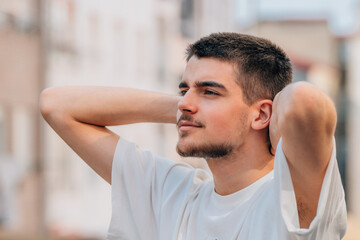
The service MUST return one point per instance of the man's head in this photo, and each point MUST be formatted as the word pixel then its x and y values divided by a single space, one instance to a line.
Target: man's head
pixel 262 68
pixel 228 86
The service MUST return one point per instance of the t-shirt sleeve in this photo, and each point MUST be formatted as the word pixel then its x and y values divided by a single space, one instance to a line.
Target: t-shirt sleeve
pixel 139 179
pixel 330 220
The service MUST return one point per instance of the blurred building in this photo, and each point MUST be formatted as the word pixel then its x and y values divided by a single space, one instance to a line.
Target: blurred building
pixel 21 76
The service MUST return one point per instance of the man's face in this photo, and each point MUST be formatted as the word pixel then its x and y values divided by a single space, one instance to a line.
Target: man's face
pixel 212 116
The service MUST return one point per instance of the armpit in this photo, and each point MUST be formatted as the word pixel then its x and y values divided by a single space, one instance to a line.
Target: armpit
pixel 305 213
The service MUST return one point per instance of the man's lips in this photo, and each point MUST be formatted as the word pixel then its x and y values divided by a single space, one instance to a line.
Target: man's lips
pixel 186 125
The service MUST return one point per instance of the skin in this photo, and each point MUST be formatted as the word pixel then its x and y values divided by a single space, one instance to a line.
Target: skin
pixel 301 115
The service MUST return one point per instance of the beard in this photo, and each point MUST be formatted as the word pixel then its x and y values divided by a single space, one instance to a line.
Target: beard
pixel 209 150
pixel 206 150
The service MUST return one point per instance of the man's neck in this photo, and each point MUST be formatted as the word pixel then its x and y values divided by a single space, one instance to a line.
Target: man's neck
pixel 240 169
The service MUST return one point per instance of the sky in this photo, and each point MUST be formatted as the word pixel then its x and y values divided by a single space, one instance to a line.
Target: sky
pixel 341 15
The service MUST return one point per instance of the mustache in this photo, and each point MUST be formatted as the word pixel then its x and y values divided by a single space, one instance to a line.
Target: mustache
pixel 190 119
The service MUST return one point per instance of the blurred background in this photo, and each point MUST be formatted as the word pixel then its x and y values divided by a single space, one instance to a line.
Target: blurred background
pixel 46 191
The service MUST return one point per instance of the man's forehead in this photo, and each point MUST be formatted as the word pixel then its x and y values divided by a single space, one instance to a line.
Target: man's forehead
pixel 208 70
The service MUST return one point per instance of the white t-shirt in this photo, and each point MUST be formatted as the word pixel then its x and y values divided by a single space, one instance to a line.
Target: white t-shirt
pixel 155 198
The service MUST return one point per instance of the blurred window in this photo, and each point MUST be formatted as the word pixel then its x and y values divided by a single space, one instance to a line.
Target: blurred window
pixel 299 74
pixel 2 132
pixel 187 18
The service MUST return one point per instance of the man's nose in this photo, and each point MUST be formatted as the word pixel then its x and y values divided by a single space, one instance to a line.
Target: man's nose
pixel 187 103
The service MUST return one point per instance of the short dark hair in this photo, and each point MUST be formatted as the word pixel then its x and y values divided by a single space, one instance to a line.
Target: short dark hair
pixel 262 67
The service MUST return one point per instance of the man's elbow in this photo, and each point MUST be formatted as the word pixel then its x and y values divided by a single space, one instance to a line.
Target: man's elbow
pixel 47 103
pixel 311 108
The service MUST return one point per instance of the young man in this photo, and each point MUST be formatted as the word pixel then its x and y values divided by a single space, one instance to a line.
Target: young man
pixel 270 148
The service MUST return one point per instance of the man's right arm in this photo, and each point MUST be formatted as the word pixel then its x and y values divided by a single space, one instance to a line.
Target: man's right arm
pixel 79 115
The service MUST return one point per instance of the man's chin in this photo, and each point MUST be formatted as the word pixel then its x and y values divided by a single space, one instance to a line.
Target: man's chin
pixel 203 151
pixel 181 148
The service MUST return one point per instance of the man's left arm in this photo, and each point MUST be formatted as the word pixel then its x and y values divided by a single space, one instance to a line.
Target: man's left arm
pixel 305 119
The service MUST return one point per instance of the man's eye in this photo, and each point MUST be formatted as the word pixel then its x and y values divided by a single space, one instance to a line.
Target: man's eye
pixel 182 92
pixel 210 92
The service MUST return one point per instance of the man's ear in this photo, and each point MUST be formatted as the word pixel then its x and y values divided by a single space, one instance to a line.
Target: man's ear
pixel 262 110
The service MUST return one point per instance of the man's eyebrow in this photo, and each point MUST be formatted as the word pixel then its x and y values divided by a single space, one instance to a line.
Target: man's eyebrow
pixel 183 84
pixel 203 84
pixel 210 84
